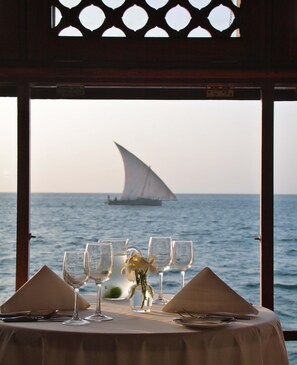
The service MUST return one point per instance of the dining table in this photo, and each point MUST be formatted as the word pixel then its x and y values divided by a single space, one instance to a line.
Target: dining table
pixel 152 338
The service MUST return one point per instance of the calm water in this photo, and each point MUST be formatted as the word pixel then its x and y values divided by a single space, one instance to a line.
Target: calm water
pixel 222 227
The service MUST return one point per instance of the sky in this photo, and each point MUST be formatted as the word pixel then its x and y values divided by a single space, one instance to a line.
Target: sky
pixel 194 146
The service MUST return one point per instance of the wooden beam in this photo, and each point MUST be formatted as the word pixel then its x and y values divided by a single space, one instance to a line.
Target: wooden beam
pixel 266 207
pixel 23 185
pixel 143 77
pixel 93 92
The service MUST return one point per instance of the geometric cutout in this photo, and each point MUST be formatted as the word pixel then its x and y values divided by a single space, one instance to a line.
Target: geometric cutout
pixel 199 33
pixel 70 32
pixel 114 32
pixel 236 33
pixel 156 4
pixel 92 17
pixel 70 3
pixel 135 17
pixel 57 16
pixel 113 4
pixel 220 17
pixel 178 17
pixel 199 4
pixel 156 33
pixel 231 17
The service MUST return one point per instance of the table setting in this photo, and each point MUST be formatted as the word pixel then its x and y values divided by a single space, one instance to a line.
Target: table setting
pixel 117 270
pixel 205 302
pixel 205 319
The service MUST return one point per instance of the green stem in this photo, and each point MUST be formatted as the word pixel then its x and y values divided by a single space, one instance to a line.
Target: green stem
pixel 141 278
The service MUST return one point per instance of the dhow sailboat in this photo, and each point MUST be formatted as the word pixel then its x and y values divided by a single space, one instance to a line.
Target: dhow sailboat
pixel 142 185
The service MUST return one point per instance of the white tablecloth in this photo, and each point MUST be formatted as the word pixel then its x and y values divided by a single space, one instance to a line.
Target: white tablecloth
pixel 143 339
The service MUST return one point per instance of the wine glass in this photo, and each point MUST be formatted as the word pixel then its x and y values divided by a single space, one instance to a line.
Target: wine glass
pixel 75 273
pixel 100 266
pixel 182 258
pixel 161 249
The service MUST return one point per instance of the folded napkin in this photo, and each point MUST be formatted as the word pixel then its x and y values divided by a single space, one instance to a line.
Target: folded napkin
pixel 207 293
pixel 44 291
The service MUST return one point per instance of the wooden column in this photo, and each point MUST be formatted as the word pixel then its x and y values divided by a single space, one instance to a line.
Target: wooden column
pixel 23 186
pixel 266 207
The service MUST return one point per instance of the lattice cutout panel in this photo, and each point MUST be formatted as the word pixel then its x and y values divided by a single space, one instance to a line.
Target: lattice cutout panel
pixel 146 18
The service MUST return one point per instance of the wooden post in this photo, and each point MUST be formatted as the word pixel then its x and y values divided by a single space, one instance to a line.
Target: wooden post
pixel 266 207
pixel 23 186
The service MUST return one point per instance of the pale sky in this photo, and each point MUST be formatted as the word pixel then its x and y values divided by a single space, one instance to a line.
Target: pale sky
pixel 194 146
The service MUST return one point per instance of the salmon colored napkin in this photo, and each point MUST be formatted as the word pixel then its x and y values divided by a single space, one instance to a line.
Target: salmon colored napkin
pixel 207 293
pixel 44 291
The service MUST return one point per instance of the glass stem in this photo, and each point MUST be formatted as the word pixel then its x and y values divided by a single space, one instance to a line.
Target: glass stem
pixel 75 312
pixel 160 285
pixel 98 304
pixel 182 279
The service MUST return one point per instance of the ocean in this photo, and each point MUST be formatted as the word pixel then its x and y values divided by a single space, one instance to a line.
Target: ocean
pixel 223 229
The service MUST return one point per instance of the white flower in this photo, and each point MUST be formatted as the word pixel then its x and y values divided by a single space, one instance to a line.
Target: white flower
pixel 136 264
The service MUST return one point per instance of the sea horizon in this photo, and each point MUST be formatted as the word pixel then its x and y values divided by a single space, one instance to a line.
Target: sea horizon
pixel 119 193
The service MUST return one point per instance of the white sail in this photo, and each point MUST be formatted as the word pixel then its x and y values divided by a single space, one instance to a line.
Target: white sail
pixel 141 181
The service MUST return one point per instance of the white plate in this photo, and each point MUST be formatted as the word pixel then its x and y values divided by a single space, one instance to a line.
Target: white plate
pixel 199 323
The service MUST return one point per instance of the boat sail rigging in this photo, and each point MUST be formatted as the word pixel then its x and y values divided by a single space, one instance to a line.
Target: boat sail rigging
pixel 142 185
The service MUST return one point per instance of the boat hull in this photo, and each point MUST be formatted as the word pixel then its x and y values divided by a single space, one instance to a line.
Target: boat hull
pixel 134 202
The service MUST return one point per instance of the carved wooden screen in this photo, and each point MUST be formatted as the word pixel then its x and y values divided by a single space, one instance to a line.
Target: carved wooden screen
pixel 148 33
pixel 146 18
pixel 167 33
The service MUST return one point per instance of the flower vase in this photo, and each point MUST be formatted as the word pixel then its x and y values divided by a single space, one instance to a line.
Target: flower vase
pixel 141 298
